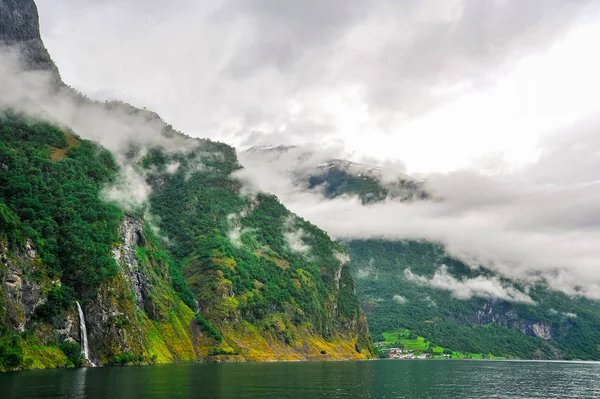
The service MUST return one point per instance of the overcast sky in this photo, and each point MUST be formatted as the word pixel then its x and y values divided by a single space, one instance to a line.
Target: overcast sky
pixel 439 85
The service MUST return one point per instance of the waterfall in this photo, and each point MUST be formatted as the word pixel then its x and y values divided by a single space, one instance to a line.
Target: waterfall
pixel 84 340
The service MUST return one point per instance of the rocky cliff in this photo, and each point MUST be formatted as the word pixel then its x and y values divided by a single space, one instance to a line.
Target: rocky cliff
pixel 20 33
pixel 133 317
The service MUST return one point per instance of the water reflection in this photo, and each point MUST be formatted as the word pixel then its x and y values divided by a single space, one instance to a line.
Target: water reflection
pixel 377 379
pixel 79 384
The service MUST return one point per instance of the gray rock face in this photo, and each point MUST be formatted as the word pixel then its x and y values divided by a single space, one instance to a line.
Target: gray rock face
pixel 541 330
pixel 20 32
pixel 126 258
pixel 503 313
pixel 22 295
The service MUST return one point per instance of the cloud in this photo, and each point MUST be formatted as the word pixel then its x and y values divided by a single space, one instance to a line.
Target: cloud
pixel 569 315
pixel 343 258
pixel 235 220
pixel 399 298
pixel 294 237
pixel 116 126
pixel 235 231
pixel 285 72
pixel 130 191
pixel 538 223
pixel 479 286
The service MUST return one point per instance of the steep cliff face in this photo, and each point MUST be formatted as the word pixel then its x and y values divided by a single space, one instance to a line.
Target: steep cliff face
pixel 505 314
pixel 133 317
pixel 24 292
pixel 21 295
pixel 137 315
pixel 20 33
pixel 282 290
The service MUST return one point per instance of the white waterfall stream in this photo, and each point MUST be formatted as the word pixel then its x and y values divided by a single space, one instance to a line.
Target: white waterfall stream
pixel 84 339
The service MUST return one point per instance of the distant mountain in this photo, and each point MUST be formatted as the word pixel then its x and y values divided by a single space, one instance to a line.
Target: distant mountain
pixel 417 286
pixel 153 241
pixel 336 177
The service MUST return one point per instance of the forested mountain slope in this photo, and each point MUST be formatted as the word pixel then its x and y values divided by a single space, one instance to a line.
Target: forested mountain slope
pixel 416 285
pixel 195 269
pixel 415 288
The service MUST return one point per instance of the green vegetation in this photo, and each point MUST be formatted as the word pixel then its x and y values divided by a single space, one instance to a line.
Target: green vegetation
pixel 438 316
pixel 11 349
pixel 59 298
pixel 216 250
pixel 50 193
pixel 208 328
pixel 126 358
pixel 221 351
pixel 337 181
pixel 73 352
pixel 257 273
pixel 406 340
pixel 50 186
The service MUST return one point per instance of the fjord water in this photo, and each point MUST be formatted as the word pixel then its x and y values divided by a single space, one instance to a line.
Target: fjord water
pixel 361 379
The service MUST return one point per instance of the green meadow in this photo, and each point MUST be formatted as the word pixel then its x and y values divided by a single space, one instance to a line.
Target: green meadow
pixel 407 340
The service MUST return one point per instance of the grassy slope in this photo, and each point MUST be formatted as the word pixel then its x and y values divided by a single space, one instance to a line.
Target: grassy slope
pixel 287 302
pixel 405 340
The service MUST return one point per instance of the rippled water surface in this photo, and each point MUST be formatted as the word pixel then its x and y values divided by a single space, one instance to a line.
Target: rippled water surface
pixel 367 379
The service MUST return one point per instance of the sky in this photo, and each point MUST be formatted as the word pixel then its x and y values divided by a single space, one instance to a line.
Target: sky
pixel 495 104
pixel 439 86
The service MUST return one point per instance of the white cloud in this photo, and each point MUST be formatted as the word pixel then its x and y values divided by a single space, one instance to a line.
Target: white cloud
pixel 469 287
pixel 294 237
pixel 434 85
pixel 130 191
pixel 235 231
pixel 116 126
pixel 399 298
pixel 535 223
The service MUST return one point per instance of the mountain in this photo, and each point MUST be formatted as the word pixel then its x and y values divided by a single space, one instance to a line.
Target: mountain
pixel 416 285
pixel 415 289
pixel 148 251
pixel 19 32
pixel 334 177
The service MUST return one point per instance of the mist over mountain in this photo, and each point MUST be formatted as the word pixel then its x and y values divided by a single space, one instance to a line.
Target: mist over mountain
pixel 444 258
pixel 529 225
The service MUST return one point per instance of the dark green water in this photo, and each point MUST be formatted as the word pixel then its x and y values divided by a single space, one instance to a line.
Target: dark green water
pixel 367 379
